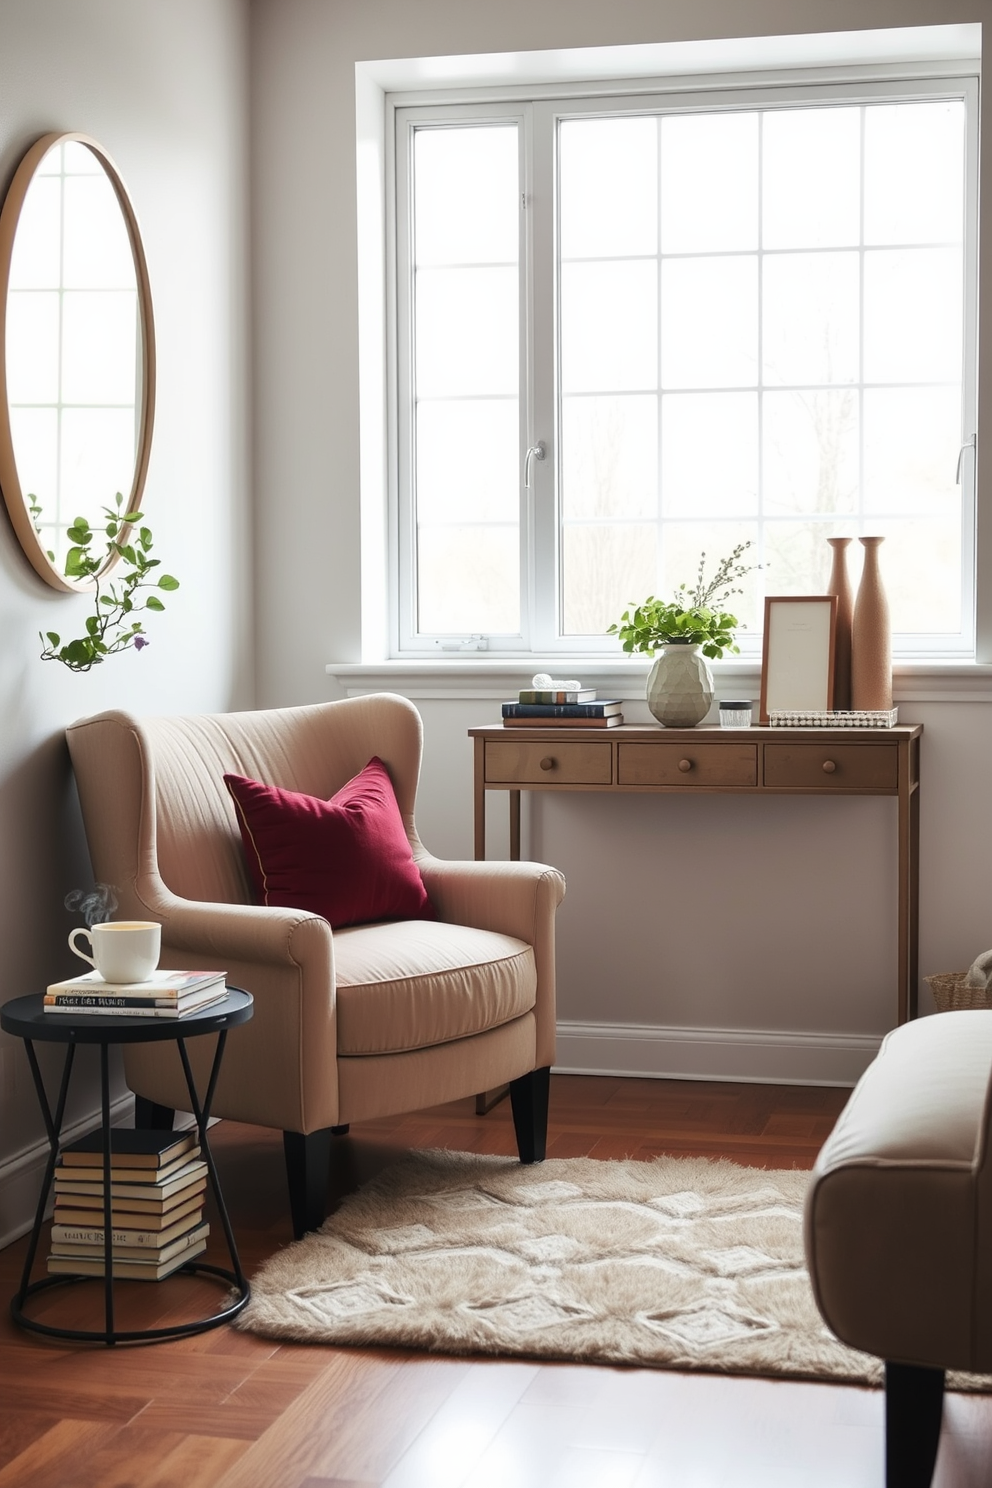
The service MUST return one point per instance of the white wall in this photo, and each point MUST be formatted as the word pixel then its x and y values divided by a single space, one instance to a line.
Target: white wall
pixel 162 85
pixel 722 936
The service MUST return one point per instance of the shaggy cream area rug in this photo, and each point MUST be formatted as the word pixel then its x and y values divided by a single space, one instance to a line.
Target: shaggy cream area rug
pixel 677 1263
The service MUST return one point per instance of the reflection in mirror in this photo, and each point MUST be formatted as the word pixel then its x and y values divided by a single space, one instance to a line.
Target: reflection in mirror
pixel 78 365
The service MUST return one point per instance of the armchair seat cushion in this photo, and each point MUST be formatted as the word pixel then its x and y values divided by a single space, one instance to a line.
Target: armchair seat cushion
pixel 409 984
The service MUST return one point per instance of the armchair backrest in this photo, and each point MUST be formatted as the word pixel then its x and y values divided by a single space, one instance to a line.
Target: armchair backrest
pixel 154 803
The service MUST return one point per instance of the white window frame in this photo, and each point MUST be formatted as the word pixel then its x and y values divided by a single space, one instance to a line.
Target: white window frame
pixel 537 111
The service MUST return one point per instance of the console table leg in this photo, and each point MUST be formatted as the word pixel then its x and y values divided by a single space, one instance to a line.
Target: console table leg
pixel 514 826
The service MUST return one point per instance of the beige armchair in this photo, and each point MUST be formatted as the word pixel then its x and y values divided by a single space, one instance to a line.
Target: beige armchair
pixel 350 1024
pixel 898 1224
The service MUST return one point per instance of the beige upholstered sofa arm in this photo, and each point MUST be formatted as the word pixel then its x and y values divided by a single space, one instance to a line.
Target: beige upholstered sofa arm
pixel 515 899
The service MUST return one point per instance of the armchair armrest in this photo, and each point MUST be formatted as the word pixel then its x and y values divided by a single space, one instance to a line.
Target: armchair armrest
pixel 518 899
pixel 513 898
pixel 282 1068
pixel 247 932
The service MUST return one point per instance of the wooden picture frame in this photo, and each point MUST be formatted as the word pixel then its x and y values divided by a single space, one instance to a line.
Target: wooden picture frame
pixel 797 653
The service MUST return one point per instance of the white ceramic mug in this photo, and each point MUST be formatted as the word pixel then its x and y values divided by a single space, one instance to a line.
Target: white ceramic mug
pixel 123 950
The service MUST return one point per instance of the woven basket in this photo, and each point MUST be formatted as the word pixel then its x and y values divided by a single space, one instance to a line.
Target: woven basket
pixel 951 995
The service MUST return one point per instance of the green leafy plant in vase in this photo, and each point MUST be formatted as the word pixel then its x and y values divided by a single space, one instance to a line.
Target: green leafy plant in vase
pixel 680 684
pixel 114 625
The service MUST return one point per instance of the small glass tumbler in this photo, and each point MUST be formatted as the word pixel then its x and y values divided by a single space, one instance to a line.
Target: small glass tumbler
pixel 734 713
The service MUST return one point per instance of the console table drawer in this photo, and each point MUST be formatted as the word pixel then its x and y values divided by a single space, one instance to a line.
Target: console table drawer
pixel 827 766
pixel 686 765
pixel 549 763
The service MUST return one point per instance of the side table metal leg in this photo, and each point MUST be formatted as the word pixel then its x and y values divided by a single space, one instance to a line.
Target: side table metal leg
pixel 202 1116
pixel 53 1128
pixel 108 1227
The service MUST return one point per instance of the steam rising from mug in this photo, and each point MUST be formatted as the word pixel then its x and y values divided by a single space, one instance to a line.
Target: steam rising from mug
pixel 95 905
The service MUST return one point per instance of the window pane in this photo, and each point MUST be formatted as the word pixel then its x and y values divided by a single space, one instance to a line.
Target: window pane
pixel 921 567
pixel 683 545
pixel 913 315
pixel 468 579
pixel 609 457
pixel 709 312
pixel 811 318
pixel 604 568
pixel 467 461
pixel 33 347
pixel 467 332
pixel 810 451
pixel 811 178
pixel 709 454
pixel 35 258
pixel 912 438
pixel 97 453
pixel 709 180
pixel 465 183
pixel 99 335
pixel 609 187
pixel 96 248
pixel 609 339
pixel 914 172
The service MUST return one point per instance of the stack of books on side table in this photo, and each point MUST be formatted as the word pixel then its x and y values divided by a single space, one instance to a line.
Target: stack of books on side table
pixel 575 708
pixel 157 1189
pixel 166 994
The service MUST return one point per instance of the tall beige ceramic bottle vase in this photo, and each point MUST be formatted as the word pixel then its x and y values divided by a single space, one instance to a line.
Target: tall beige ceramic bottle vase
pixel 840 584
pixel 871 640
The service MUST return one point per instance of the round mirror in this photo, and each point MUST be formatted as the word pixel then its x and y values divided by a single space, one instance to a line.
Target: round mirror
pixel 77 373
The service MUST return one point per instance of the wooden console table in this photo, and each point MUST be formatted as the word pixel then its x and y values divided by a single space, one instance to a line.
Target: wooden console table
pixel 751 761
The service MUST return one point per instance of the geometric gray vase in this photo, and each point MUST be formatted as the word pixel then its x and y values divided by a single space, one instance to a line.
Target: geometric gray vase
pixel 680 687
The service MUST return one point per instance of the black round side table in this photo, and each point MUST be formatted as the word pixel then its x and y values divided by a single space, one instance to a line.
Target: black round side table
pixel 26 1018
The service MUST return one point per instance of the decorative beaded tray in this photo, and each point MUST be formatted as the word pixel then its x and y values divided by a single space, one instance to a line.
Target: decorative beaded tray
pixel 833 718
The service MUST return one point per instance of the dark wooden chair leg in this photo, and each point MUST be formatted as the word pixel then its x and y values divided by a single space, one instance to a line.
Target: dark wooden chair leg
pixel 149 1116
pixel 914 1402
pixel 529 1102
pixel 308 1160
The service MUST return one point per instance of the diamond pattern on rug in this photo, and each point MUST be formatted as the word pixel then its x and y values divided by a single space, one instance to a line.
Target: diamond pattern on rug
pixel 680 1205
pixel 344 1300
pixel 550 1248
pixel 522 1314
pixel 402 1237
pixel 707 1328
pixel 744 1260
pixel 544 1193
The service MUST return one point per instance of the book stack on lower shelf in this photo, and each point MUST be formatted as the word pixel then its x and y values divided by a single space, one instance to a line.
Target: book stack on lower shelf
pixel 562 708
pixel 157 1189
pixel 165 994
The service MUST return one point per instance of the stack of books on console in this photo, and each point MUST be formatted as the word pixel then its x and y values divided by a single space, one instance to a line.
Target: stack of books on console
pixel 157 1189
pixel 166 994
pixel 562 708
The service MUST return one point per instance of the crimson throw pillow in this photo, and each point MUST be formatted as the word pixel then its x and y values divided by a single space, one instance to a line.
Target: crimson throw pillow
pixel 347 859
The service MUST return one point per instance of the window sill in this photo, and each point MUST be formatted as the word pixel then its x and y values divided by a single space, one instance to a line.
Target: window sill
pixel 484 677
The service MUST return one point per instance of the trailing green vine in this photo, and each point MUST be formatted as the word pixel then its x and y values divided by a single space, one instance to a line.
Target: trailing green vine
pixel 113 626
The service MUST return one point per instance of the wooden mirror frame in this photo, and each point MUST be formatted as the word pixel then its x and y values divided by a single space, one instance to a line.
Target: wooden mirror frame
pixel 10 483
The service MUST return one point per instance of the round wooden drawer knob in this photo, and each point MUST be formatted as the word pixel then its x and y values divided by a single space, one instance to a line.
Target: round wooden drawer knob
pixel 547 763
pixel 828 767
pixel 685 766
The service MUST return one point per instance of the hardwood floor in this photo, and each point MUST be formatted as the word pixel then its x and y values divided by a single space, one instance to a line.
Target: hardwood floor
pixel 228 1410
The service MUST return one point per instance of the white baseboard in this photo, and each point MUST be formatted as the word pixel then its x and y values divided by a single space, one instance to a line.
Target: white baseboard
pixel 629 1049
pixel 21 1176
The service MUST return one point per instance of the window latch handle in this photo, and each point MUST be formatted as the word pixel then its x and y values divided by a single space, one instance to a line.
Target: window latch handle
pixel 971 444
pixel 537 451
